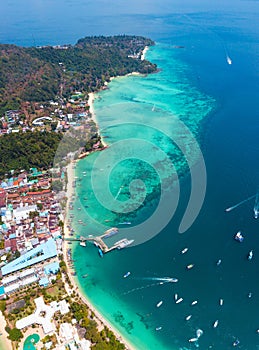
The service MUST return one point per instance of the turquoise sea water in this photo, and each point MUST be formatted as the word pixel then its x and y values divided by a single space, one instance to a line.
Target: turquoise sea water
pixel 138 98
pixel 218 102
pixel 130 304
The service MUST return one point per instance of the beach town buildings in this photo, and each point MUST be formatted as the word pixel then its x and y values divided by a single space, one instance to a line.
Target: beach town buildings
pixel 30 234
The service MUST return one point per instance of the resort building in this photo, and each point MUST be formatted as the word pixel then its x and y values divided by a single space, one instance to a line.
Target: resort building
pixel 43 315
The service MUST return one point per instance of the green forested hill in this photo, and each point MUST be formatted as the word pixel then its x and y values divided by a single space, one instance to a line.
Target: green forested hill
pixel 25 78
pixel 36 74
pixel 26 150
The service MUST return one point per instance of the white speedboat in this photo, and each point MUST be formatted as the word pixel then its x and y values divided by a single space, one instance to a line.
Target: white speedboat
pixel 229 61
pixel 238 237
pixel 159 304
pixel 250 255
pixel 184 250
pixel 192 340
pixel 194 302
pixel 158 328
pixel 127 274
pixel 236 342
pixel 188 317
pixel 221 301
pixel 174 280
pixel 179 300
pixel 215 324
pixel 190 266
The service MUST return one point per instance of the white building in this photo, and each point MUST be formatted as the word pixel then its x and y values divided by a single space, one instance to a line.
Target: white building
pixel 66 332
pixel 43 315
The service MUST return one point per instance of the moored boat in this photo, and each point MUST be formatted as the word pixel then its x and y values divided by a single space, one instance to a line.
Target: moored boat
pixel 215 324
pixel 159 304
pixel 184 250
pixel 179 300
pixel 100 252
pixel 236 342
pixel 190 266
pixel 239 237
pixel 250 255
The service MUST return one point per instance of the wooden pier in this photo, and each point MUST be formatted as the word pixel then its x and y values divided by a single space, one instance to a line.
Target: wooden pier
pixel 99 240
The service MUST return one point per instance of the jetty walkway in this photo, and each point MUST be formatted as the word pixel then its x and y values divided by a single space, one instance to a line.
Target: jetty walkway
pixel 98 241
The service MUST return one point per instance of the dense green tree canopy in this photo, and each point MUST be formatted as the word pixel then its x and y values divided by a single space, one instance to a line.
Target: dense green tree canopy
pixel 37 74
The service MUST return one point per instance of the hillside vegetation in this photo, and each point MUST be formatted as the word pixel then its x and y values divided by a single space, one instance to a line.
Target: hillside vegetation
pixel 45 73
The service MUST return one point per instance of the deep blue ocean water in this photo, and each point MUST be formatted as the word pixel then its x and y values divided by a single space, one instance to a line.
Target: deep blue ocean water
pixel 226 126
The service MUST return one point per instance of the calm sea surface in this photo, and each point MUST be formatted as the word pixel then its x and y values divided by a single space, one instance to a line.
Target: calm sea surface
pixel 139 116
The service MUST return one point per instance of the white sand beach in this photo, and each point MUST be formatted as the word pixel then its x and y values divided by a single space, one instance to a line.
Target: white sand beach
pixel 5 343
pixel 91 109
pixel 99 318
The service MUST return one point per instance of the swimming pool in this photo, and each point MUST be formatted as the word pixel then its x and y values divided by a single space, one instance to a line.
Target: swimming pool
pixel 30 341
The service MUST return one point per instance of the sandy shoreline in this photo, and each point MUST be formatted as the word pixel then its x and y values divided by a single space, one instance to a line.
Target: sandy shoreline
pixel 99 318
pixel 91 110
pixel 5 343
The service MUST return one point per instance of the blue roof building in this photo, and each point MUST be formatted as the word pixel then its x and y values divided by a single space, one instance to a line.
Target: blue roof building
pixel 40 253
pixel 44 282
pixel 51 268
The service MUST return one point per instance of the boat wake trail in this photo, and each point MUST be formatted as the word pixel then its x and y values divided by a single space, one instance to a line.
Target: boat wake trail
pixel 240 203
pixel 141 288
pixel 158 280
pixel 161 279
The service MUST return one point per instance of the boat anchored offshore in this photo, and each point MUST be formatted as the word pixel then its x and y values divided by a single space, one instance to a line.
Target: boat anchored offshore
pixel 190 266
pixel 238 237
pixel 179 300
pixel 127 274
pixel 250 255
pixel 159 304
pixel 194 302
pixel 184 250
pixel 236 342
pixel 221 301
pixel 188 317
pixel 215 324
pixel 158 328
pixel 218 262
